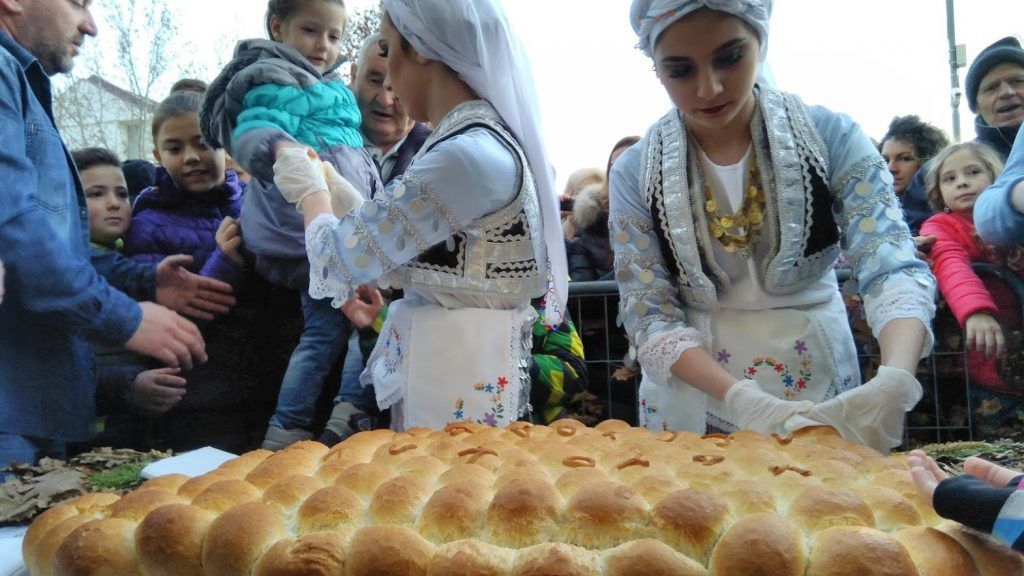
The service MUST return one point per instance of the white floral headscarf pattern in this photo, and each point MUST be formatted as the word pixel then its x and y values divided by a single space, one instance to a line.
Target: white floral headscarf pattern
pixel 650 18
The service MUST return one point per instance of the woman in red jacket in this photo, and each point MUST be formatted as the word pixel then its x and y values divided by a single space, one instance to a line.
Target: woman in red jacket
pixel 957 176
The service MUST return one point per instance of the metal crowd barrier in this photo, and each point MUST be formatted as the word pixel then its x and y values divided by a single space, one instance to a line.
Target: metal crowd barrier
pixel 593 306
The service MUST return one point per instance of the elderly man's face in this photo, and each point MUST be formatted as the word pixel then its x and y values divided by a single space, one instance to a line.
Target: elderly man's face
pixel 1001 95
pixel 385 120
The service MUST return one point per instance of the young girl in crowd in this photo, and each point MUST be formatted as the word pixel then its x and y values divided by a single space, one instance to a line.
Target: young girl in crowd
pixel 471 231
pixel 195 198
pixel 285 90
pixel 956 178
pixel 726 220
pixel 192 209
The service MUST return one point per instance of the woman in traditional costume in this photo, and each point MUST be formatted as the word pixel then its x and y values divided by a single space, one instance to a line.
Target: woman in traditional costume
pixel 727 219
pixel 471 232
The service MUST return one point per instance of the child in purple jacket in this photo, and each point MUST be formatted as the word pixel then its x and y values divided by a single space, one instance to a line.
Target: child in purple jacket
pixel 193 197
pixel 192 209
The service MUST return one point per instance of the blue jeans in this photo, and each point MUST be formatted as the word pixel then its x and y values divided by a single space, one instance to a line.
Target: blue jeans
pixel 351 390
pixel 325 331
pixel 27 450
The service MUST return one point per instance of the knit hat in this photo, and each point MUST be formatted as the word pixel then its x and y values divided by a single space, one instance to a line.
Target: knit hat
pixel 1006 50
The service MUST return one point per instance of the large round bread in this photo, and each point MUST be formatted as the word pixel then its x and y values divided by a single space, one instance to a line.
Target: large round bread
pixel 526 500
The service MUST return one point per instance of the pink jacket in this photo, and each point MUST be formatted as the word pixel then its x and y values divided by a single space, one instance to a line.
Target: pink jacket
pixel 956 247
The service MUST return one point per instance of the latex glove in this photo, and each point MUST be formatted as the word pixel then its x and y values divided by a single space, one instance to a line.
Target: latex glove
pixel 751 408
pixel 344 196
pixel 298 173
pixel 871 414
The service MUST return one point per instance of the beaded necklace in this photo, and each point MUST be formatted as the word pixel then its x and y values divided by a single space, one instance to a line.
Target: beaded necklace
pixel 750 216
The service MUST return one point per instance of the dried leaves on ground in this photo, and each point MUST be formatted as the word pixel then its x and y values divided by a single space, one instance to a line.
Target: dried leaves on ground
pixel 32 489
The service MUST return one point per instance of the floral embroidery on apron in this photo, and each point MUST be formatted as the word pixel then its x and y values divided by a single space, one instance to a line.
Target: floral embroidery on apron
pixel 793 384
pixel 498 403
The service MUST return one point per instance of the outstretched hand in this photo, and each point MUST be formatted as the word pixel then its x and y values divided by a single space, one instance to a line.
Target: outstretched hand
pixel 188 293
pixel 927 474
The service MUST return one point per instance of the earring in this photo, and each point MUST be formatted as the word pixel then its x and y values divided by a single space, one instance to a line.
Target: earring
pixel 946 210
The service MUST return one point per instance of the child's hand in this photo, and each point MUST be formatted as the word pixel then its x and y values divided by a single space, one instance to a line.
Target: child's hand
pixel 923 244
pixel 926 473
pixel 363 308
pixel 157 391
pixel 984 334
pixel 229 239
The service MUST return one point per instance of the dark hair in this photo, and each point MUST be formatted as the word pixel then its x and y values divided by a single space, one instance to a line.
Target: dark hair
pixel 285 9
pixel 86 158
pixel 181 103
pixel 139 174
pixel 926 139
pixel 988 156
pixel 624 142
pixel 189 85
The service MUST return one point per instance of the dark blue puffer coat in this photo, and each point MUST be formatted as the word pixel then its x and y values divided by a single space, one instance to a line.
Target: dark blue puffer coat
pixel 168 221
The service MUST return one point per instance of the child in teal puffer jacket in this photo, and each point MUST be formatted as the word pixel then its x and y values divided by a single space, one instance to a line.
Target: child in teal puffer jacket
pixel 277 92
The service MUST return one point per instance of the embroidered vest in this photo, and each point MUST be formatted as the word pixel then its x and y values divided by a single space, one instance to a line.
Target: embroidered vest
pixel 496 254
pixel 800 228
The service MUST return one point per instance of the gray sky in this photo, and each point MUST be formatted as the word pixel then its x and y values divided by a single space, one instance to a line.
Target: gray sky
pixel 871 59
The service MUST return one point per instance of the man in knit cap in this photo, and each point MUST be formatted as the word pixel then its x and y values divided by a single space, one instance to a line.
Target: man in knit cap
pixel 995 92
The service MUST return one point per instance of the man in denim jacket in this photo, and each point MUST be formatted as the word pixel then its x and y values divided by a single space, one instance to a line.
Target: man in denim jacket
pixel 56 305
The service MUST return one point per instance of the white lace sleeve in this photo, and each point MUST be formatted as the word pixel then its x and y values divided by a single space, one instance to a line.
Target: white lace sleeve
pixel 459 180
pixel 901 296
pixel 663 349
pixel 319 234
pixel 649 304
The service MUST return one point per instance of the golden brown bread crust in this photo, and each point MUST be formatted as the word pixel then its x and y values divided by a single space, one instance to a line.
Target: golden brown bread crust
pixel 238 537
pixel 103 547
pixel 760 545
pixel 936 553
pixel 315 554
pixel 857 551
pixel 527 500
pixel 170 540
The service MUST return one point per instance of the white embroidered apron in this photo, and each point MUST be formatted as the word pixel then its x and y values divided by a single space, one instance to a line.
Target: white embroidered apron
pixel 435 365
pixel 792 353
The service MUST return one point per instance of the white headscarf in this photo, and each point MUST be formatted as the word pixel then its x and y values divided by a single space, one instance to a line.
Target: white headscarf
pixel 650 18
pixel 473 38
